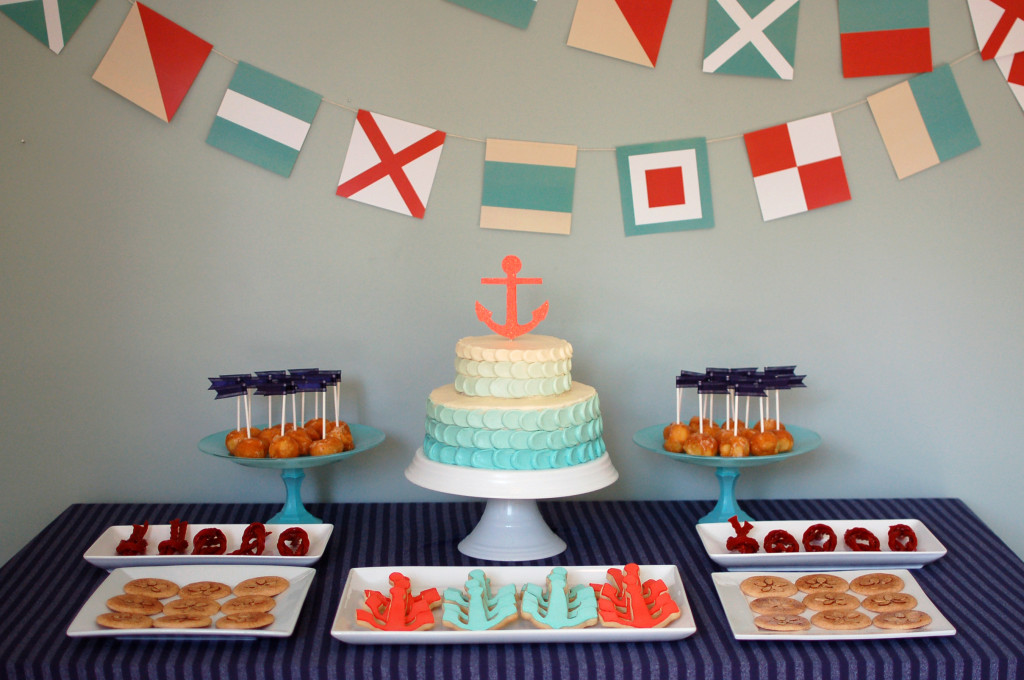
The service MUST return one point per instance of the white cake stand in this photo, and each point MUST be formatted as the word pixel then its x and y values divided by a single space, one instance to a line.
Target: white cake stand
pixel 511 528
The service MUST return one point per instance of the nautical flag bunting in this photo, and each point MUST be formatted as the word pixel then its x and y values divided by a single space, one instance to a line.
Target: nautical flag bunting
pixel 797 166
pixel 630 30
pixel 152 62
pixel 665 186
pixel 528 186
pixel 51 22
pixel 999 26
pixel 264 119
pixel 751 37
pixel 1012 67
pixel 884 37
pixel 923 121
pixel 391 163
pixel 515 12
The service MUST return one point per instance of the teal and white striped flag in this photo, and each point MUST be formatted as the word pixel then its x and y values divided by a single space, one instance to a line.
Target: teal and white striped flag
pixel 528 186
pixel 264 119
pixel 51 22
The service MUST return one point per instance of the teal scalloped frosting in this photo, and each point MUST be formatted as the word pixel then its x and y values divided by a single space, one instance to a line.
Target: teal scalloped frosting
pixel 582 406
pixel 512 459
pixel 520 370
pixel 510 388
pixel 529 366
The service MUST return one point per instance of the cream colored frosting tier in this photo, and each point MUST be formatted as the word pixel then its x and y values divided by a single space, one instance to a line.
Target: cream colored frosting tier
pixel 529 348
pixel 448 397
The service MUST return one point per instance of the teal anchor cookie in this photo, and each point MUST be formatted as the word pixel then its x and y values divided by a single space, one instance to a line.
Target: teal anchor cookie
pixel 560 606
pixel 478 608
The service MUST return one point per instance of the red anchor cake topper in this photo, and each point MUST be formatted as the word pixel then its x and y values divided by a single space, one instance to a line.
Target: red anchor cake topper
pixel 512 329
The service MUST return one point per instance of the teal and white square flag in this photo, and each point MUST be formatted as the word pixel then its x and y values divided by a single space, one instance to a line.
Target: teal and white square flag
pixel 665 186
pixel 515 12
pixel 264 119
pixel 751 37
pixel 51 22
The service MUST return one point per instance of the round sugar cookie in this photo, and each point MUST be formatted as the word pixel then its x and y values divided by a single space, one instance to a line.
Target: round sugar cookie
pixel 200 606
pixel 765 586
pixel 249 603
pixel 822 601
pixel 124 620
pixel 135 604
pixel 160 588
pixel 889 602
pixel 908 620
pixel 782 622
pixel 879 582
pixel 213 590
pixel 840 619
pixel 246 620
pixel 183 621
pixel 262 585
pixel 777 605
pixel 822 583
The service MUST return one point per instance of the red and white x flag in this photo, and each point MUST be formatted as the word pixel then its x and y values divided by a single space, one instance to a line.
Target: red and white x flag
pixel 391 163
pixel 999 25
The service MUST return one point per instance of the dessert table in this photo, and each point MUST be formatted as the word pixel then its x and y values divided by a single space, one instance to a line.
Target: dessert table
pixel 978 585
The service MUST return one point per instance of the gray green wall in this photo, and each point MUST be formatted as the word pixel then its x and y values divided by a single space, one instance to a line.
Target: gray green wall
pixel 136 260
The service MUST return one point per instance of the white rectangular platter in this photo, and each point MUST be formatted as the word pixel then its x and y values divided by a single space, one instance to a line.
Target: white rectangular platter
pixel 103 551
pixel 714 536
pixel 286 611
pixel 741 617
pixel 376 578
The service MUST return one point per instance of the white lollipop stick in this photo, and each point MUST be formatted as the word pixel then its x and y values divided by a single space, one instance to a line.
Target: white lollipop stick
pixel 284 403
pixel 778 418
pixel 238 414
pixel 760 402
pixel 248 414
pixel 337 398
pixel 679 402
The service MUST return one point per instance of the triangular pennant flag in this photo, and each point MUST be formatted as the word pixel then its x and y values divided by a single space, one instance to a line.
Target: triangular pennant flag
pixel 51 22
pixel 391 163
pixel 264 119
pixel 528 186
pixel 999 26
pixel 1012 67
pixel 884 37
pixel 751 37
pixel 514 12
pixel 923 121
pixel 630 30
pixel 797 166
pixel 665 186
pixel 152 62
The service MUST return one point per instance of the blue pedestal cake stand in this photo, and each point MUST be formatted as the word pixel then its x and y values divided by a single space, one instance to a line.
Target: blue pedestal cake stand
pixel 293 469
pixel 727 469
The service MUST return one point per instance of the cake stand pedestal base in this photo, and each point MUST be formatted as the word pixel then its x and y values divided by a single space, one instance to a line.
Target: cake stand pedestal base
pixel 511 531
pixel 511 528
pixel 293 511
pixel 726 507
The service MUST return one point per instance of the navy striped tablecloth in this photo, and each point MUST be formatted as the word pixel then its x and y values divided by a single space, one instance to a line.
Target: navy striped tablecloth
pixel 978 585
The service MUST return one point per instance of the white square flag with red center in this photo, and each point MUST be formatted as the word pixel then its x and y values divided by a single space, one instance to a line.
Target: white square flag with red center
pixel 797 166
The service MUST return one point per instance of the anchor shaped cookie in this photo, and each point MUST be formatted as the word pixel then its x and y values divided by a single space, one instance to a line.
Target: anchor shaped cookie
pixel 478 607
pixel 559 606
pixel 402 611
pixel 511 329
pixel 630 603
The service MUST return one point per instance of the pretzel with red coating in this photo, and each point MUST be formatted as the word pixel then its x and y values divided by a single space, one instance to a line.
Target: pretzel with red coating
pixel 820 538
pixel 741 542
pixel 902 538
pixel 779 540
pixel 176 544
pixel 254 540
pixel 860 539
pixel 293 542
pixel 209 542
pixel 136 543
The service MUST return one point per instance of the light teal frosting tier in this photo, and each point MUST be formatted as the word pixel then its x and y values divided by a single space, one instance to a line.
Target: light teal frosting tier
pixel 513 459
pixel 547 419
pixel 520 370
pixel 512 388
pixel 482 438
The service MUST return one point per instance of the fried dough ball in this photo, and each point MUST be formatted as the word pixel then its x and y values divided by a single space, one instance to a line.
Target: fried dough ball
pixel 300 435
pixel 763 443
pixel 314 427
pixel 267 435
pixel 769 424
pixel 235 436
pixel 785 440
pixel 343 434
pixel 728 424
pixel 326 447
pixel 251 447
pixel 675 434
pixel 695 424
pixel 701 445
pixel 284 446
pixel 734 446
